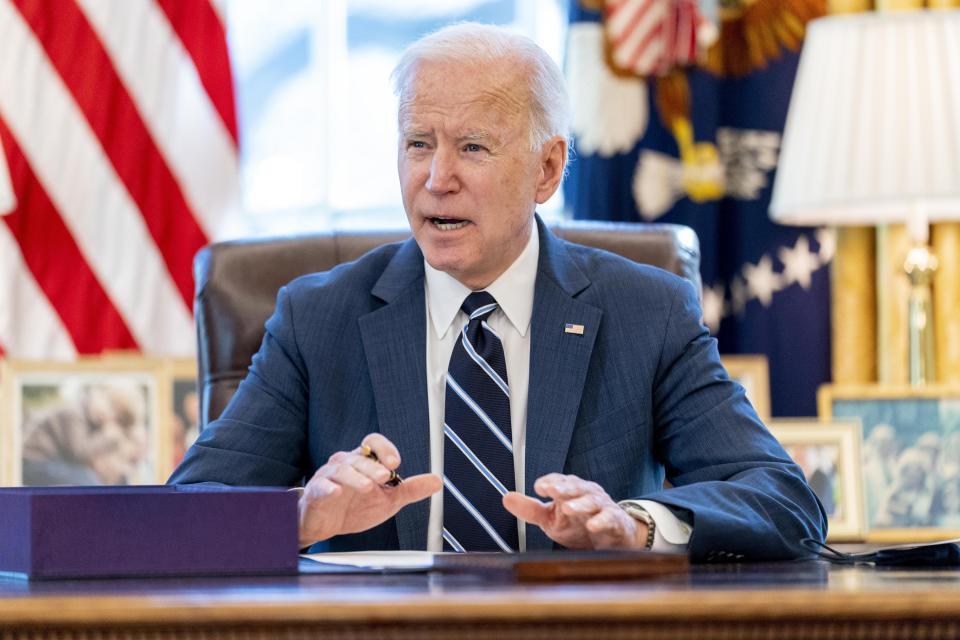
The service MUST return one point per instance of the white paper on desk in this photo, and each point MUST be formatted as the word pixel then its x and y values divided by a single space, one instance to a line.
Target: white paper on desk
pixel 378 560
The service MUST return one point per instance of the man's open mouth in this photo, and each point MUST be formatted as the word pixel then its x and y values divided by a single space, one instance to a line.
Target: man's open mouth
pixel 448 224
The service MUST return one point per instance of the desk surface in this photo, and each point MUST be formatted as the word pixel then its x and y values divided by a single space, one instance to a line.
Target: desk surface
pixel 795 600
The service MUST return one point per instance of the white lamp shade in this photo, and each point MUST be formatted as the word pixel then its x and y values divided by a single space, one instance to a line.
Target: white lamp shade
pixel 873 130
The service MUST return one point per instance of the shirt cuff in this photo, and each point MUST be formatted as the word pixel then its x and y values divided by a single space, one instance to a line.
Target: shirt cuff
pixel 672 535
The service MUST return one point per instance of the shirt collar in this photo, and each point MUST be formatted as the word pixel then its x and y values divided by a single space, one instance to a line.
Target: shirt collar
pixel 513 291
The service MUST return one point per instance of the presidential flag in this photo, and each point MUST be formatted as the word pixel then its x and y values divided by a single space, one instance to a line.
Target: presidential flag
pixel 119 161
pixel 678 111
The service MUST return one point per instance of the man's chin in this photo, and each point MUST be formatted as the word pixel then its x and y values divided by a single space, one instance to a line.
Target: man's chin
pixel 443 261
pixel 448 248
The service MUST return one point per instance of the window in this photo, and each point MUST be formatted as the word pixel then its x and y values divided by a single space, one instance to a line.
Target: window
pixel 317 113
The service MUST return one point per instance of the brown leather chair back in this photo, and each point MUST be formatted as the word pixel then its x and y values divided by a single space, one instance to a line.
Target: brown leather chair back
pixel 237 284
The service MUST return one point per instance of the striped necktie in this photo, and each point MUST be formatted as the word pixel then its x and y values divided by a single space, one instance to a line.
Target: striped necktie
pixel 477 443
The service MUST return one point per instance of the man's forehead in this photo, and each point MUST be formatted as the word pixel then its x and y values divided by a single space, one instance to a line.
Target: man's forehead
pixel 476 125
pixel 496 90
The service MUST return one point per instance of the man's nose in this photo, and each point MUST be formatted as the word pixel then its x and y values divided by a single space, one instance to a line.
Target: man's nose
pixel 443 176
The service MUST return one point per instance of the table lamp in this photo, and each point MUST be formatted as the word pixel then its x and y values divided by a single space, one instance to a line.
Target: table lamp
pixel 873 137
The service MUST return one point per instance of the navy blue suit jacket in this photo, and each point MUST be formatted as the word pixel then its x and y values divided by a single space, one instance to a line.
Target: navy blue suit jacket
pixel 640 395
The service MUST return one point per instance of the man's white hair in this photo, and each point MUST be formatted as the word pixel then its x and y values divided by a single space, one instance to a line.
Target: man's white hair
pixel 471 42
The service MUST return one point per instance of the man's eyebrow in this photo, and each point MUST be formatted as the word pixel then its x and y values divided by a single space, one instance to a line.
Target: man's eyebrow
pixel 477 136
pixel 415 133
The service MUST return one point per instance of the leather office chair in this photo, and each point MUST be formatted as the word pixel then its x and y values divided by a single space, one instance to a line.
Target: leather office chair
pixel 237 284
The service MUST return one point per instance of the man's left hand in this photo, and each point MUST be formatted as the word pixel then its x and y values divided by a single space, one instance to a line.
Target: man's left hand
pixel 579 514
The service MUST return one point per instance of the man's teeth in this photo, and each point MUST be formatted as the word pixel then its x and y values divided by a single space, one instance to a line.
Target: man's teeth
pixel 448 224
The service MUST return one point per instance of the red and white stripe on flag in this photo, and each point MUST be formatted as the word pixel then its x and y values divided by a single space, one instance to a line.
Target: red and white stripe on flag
pixel 651 37
pixel 118 160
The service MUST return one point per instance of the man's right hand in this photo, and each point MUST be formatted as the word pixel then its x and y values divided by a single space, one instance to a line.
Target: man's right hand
pixel 348 494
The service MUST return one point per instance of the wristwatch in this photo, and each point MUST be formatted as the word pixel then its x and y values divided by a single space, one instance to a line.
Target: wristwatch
pixel 639 513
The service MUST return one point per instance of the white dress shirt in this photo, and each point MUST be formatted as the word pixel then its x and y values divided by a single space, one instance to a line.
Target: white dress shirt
pixel 513 291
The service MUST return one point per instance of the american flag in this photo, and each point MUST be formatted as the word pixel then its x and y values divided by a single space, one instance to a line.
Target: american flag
pixel 651 37
pixel 118 161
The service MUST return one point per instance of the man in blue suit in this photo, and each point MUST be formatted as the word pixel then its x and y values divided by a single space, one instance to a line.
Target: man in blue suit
pixel 614 383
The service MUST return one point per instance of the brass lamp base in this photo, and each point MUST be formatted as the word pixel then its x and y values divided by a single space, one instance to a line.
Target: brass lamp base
pixel 920 266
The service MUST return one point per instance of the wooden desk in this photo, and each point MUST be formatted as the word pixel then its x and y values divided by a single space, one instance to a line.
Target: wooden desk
pixel 784 601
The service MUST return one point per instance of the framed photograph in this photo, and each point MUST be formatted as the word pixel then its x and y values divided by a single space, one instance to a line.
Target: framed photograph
pixel 89 422
pixel 180 414
pixel 829 454
pixel 752 373
pixel 183 412
pixel 910 458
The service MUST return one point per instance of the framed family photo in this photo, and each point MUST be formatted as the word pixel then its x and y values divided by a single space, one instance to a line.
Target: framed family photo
pixel 910 458
pixel 829 454
pixel 752 372
pixel 180 408
pixel 90 422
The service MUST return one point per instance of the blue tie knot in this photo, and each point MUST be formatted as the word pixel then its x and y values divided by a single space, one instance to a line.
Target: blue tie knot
pixel 479 304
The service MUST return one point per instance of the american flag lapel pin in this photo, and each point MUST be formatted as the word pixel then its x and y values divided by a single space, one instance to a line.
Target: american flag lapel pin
pixel 575 329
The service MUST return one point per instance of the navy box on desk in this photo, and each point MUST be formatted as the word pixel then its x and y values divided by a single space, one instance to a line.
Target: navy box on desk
pixel 62 532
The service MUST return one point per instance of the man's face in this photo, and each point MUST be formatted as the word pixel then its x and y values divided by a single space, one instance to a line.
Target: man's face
pixel 469 180
pixel 120 438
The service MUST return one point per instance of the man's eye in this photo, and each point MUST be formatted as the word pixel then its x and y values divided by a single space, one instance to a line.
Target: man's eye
pixel 473 147
pixel 417 144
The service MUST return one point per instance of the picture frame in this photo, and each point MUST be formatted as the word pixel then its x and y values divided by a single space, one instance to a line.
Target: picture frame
pixel 829 454
pixel 183 410
pixel 93 421
pixel 910 457
pixel 753 373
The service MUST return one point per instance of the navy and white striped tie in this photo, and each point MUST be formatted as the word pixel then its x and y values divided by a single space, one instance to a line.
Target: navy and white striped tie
pixel 477 443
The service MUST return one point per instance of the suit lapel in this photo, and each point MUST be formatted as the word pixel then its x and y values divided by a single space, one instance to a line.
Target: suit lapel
pixel 394 342
pixel 558 365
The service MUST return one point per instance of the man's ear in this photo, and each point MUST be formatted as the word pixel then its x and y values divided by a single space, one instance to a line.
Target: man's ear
pixel 553 162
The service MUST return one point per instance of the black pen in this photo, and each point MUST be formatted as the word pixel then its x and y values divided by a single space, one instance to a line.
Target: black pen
pixel 395 478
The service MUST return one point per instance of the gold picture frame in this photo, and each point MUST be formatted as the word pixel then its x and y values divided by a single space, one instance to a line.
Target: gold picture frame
pixel 829 454
pixel 910 457
pixel 90 421
pixel 753 373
